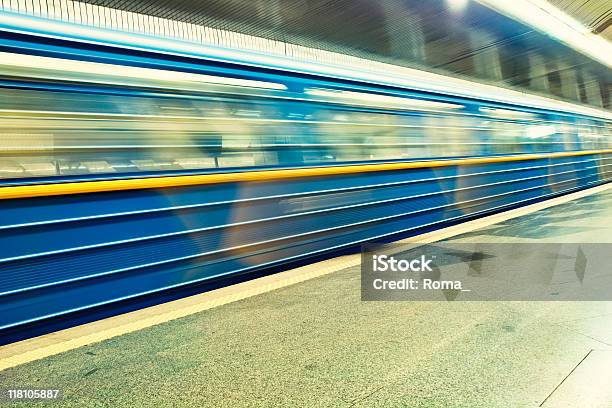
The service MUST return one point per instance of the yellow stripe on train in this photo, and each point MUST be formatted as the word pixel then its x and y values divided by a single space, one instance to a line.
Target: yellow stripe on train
pixel 82 187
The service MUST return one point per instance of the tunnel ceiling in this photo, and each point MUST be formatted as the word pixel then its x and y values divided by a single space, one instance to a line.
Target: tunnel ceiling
pixel 596 15
pixel 473 42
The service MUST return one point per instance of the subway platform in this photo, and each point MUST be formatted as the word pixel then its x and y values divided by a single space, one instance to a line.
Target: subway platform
pixel 305 338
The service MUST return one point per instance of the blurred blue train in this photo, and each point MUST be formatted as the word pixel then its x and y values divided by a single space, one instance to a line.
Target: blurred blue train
pixel 127 173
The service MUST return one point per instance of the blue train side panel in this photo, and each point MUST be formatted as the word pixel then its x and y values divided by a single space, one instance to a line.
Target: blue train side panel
pixel 67 253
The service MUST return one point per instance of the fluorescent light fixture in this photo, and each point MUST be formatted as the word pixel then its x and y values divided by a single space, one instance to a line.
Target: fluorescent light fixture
pixel 457 6
pixel 548 19
pixel 70 70
pixel 377 100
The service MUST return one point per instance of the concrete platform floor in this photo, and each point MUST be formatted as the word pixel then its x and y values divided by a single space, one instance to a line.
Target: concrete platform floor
pixel 316 344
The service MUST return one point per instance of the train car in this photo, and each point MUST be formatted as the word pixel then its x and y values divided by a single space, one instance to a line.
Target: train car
pixel 130 172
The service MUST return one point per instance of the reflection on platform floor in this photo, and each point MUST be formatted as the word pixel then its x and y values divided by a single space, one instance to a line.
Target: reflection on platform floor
pixel 317 344
pixel 588 219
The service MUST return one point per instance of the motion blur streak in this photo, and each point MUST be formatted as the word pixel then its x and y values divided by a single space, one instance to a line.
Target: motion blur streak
pixel 67 118
pixel 358 69
pixel 19 65
pixel 380 101
pixel 43 190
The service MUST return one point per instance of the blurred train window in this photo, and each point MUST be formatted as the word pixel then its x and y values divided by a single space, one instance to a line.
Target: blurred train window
pixel 47 133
